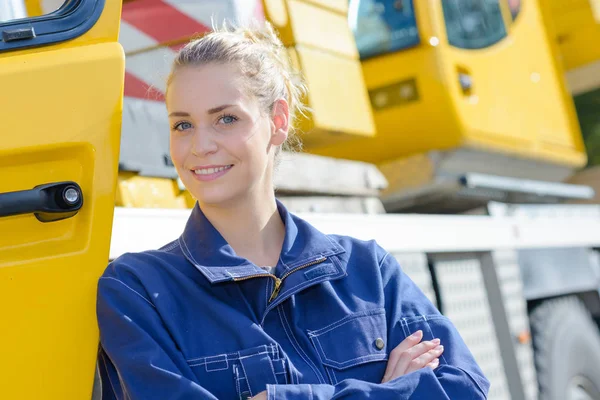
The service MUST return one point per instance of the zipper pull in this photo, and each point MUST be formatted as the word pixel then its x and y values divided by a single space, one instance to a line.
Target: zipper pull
pixel 276 290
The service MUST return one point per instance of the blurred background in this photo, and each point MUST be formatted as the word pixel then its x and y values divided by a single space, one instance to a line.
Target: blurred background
pixel 451 104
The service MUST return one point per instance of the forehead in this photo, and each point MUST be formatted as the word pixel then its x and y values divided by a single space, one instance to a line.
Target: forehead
pixel 206 86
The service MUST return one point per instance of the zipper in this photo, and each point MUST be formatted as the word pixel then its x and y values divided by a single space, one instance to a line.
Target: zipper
pixel 278 281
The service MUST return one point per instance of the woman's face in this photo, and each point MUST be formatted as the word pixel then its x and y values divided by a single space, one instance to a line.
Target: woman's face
pixel 222 143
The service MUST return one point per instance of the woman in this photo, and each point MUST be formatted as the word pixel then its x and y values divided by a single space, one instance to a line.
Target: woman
pixel 251 301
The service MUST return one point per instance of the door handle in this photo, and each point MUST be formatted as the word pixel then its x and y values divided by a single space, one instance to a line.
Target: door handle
pixel 49 202
pixel 465 80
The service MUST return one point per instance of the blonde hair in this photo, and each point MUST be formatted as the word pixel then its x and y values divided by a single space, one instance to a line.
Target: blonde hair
pixel 263 61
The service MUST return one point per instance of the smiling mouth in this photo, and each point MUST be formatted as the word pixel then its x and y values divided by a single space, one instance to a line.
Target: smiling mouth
pixel 211 170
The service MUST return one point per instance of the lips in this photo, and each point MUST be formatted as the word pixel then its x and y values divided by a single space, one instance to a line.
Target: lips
pixel 207 173
pixel 212 169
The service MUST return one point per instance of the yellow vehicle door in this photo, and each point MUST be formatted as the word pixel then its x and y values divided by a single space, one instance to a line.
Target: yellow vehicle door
pixel 61 83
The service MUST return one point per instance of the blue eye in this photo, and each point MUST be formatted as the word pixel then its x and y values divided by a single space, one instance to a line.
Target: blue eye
pixel 228 119
pixel 181 126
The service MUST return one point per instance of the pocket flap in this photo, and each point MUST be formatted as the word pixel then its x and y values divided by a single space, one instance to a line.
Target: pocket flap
pixel 356 339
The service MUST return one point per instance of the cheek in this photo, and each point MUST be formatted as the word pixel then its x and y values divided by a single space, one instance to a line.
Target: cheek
pixel 179 150
pixel 254 150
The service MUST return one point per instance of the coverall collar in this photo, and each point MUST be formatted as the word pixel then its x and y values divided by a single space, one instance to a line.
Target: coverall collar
pixel 208 251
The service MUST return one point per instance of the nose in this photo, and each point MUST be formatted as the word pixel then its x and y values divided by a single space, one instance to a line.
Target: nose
pixel 203 143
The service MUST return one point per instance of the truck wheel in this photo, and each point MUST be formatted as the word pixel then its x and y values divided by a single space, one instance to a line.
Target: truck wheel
pixel 566 344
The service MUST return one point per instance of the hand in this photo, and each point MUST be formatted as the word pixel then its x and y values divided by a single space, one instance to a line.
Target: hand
pixel 260 396
pixel 410 355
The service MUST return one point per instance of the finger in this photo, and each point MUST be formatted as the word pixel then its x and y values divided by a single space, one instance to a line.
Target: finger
pixel 408 362
pixel 395 354
pixel 410 341
pixel 434 364
pixel 424 359
pixel 399 362
pixel 422 348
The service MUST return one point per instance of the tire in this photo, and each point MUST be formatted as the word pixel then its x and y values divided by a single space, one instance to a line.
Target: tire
pixel 566 344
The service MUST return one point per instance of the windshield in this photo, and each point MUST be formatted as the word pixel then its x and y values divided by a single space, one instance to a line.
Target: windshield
pixel 473 24
pixel 382 26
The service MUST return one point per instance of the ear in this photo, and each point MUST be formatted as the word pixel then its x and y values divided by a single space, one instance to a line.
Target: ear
pixel 280 118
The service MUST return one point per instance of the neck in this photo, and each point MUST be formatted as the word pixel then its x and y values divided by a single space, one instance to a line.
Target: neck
pixel 252 227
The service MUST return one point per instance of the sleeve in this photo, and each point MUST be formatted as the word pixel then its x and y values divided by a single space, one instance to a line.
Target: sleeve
pixel 407 310
pixel 137 358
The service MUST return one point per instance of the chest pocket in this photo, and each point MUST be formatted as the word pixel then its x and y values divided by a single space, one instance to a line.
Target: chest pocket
pixel 242 374
pixel 354 347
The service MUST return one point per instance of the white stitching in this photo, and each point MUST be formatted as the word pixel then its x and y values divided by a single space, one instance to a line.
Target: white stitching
pixel 128 287
pixel 431 332
pixel 335 380
pixel 237 380
pixel 306 283
pixel 255 354
pixel 272 369
pixel 331 377
pixel 214 362
pixel 247 381
pixel 345 320
pixel 404 328
pixel 297 347
pixel 230 357
pixel 422 318
pixel 369 357
pixel 283 263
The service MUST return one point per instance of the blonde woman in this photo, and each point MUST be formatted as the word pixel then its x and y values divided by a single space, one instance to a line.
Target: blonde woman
pixel 252 301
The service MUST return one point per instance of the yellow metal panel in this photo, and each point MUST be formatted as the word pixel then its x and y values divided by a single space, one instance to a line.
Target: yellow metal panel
pixel 424 123
pixel 320 41
pixel 340 6
pixel 312 24
pixel 576 27
pixel 146 192
pixel 276 12
pixel 319 27
pixel 61 117
pixel 339 101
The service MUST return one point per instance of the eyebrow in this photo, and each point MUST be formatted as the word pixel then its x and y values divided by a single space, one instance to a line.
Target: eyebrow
pixel 179 114
pixel 210 111
pixel 219 109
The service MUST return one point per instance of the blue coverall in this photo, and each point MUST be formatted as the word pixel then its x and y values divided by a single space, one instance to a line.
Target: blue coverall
pixel 194 321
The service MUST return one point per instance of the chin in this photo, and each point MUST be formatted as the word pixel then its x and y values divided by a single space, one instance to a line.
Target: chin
pixel 214 196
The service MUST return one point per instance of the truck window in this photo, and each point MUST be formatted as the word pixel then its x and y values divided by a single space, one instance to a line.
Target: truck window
pixel 473 24
pixel 26 24
pixel 383 26
pixel 17 9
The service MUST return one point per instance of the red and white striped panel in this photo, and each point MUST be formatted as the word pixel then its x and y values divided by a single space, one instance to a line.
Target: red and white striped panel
pixel 153 30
